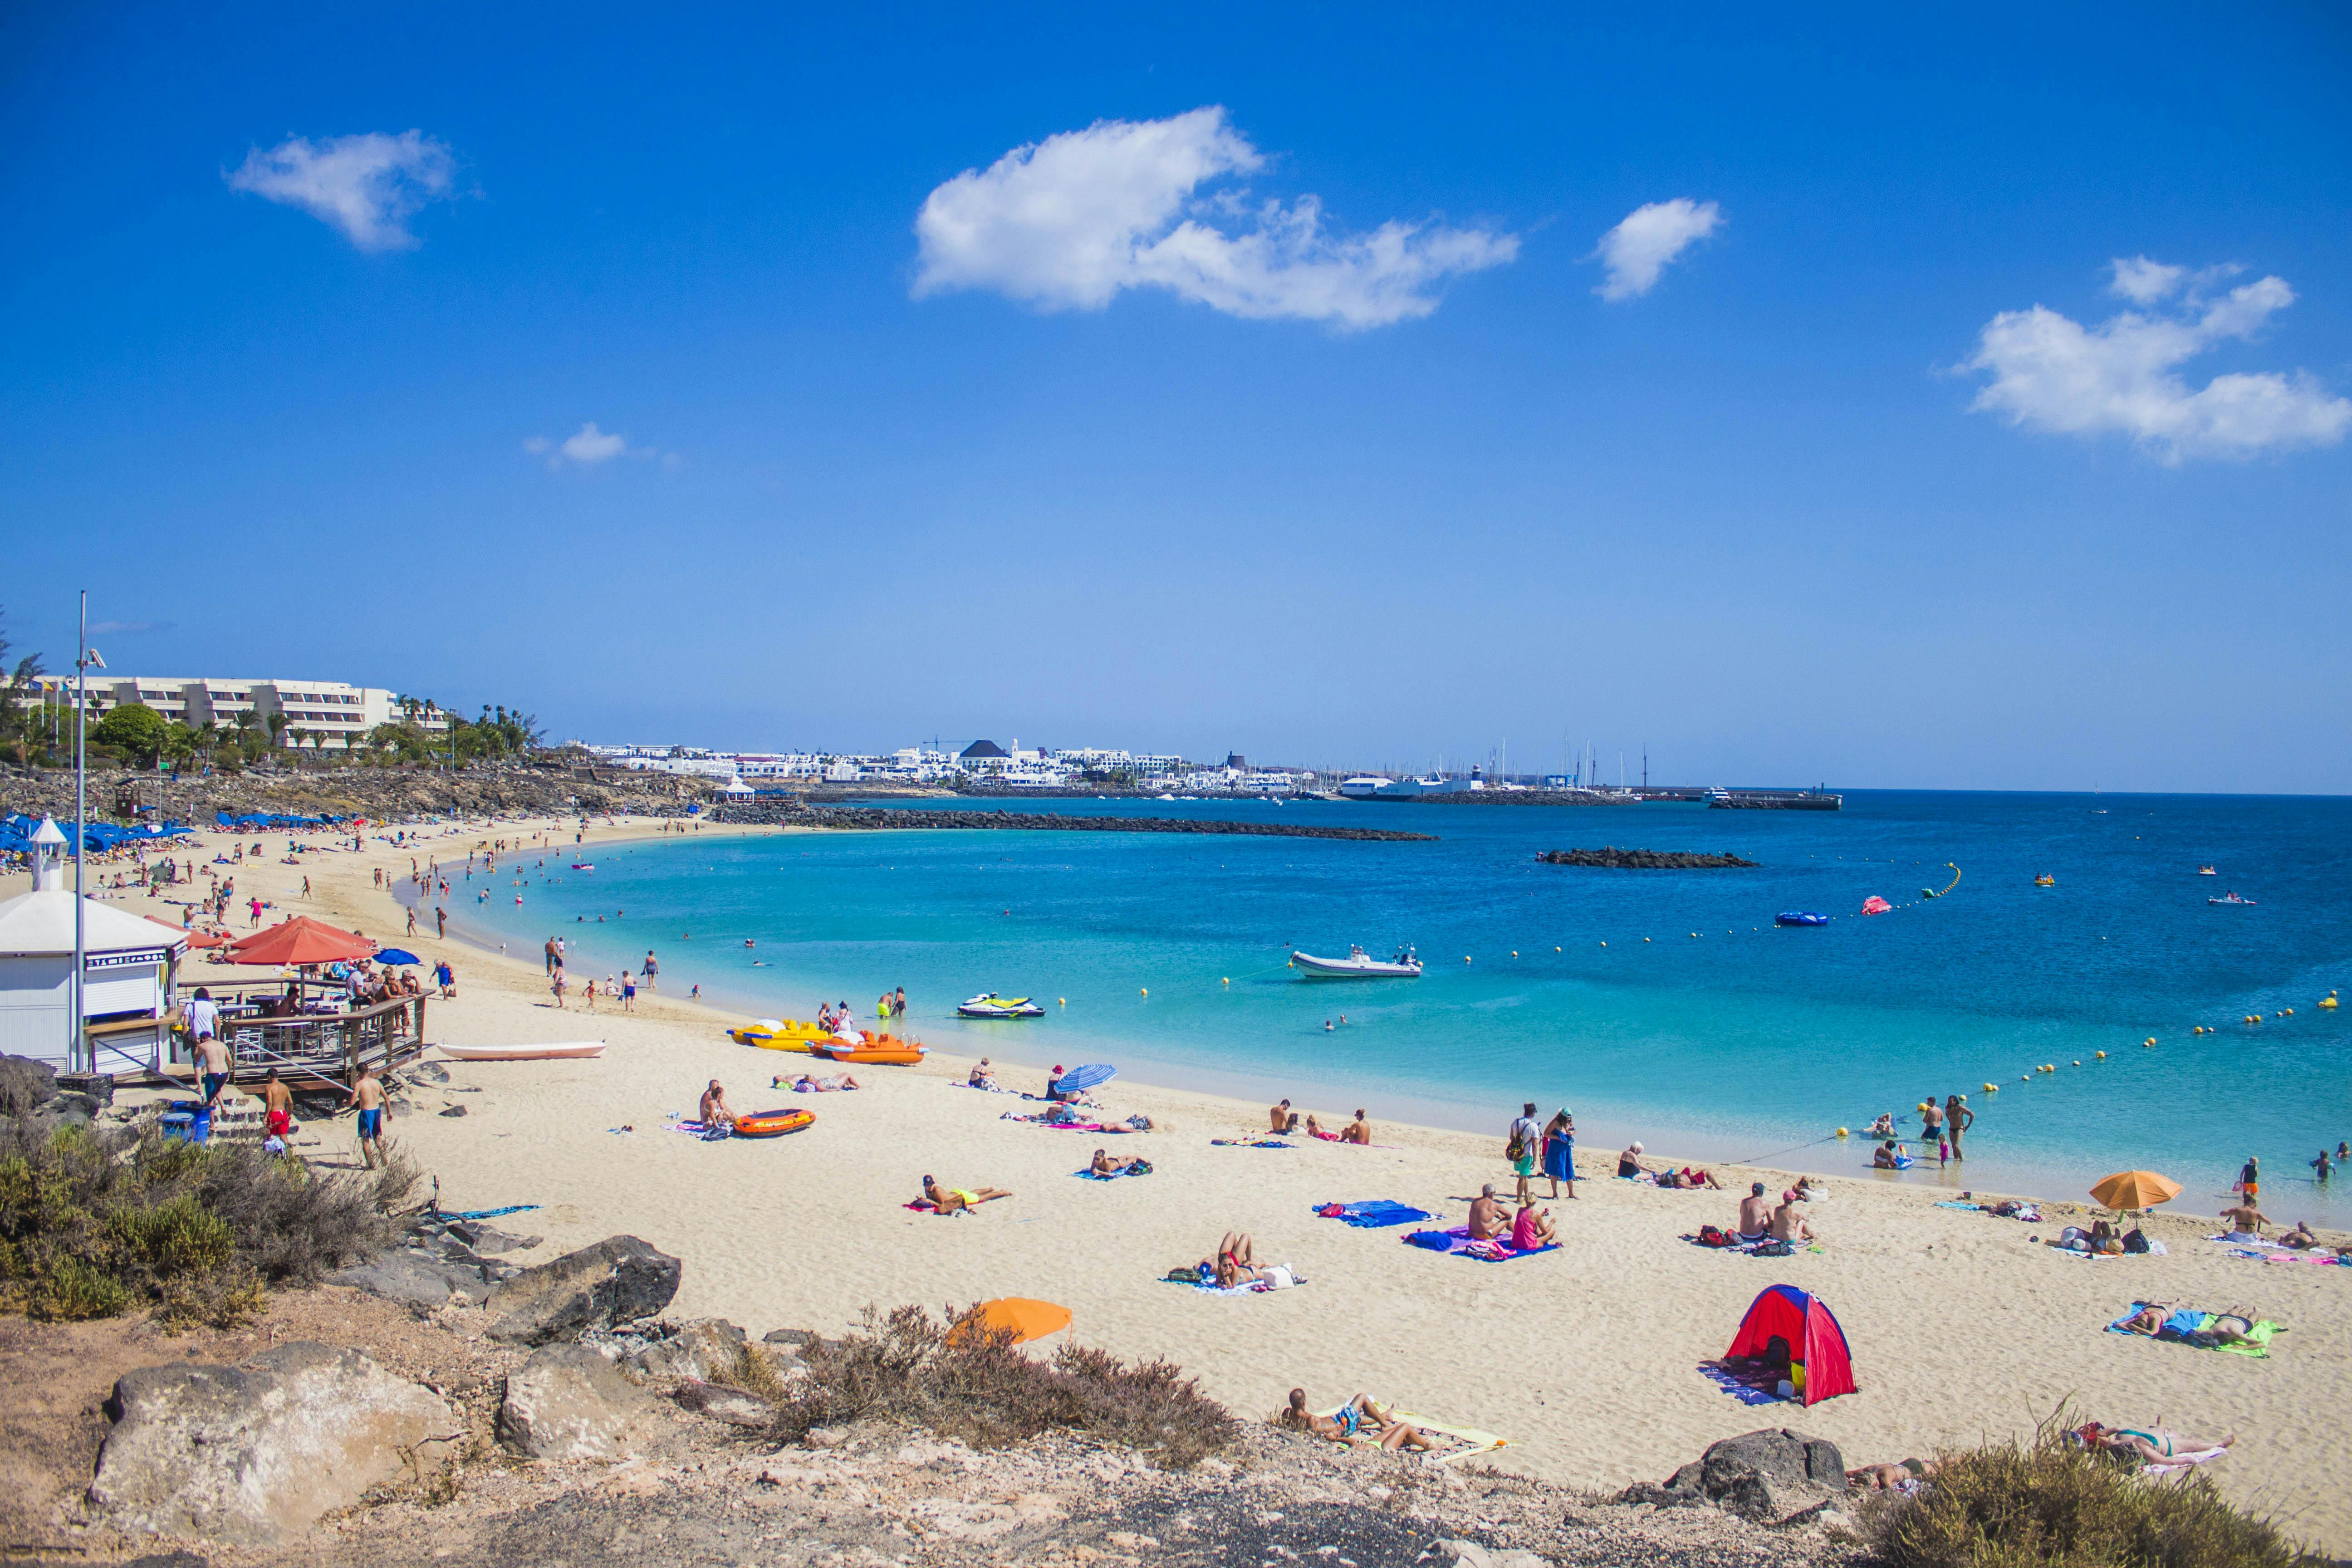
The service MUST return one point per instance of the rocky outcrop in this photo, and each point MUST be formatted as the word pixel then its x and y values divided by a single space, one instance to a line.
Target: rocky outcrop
pixel 731 1406
pixel 703 1348
pixel 569 1402
pixel 1760 1476
pixel 870 818
pixel 618 1280
pixel 1616 859
pixel 250 1456
pixel 416 1279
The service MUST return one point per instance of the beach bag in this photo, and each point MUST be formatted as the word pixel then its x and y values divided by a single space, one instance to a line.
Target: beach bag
pixel 2136 1242
pixel 1709 1236
pixel 1773 1250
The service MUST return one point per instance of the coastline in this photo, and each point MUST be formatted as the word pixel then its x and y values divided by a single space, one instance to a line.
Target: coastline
pixel 1586 1358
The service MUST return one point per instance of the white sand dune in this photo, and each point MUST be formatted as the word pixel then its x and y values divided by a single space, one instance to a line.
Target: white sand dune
pixel 1586 1358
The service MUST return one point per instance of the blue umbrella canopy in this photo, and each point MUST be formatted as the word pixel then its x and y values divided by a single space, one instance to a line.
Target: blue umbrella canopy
pixel 1089 1076
pixel 396 955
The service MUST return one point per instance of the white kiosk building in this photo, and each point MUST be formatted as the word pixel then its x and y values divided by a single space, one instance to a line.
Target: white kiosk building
pixel 127 967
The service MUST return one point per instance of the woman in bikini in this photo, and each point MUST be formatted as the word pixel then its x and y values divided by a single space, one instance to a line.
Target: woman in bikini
pixel 2153 1444
pixel 946 1200
pixel 1360 1423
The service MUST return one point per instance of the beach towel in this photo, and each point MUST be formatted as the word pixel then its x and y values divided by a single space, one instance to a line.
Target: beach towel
pixel 1374 1213
pixel 2188 1322
pixel 492 1214
pixel 1768 1247
pixel 2029 1215
pixel 1451 1442
pixel 1456 1243
pixel 1090 1174
pixel 2285 1255
pixel 1749 1385
pixel 1250 1143
pixel 1204 1280
pixel 2180 1462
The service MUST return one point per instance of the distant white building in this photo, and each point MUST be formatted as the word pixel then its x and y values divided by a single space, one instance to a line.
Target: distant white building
pixel 338 714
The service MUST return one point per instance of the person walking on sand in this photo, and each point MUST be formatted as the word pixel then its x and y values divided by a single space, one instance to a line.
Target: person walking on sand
pixel 369 1097
pixel 653 969
pixel 277 1104
pixel 412 921
pixel 552 952
pixel 1524 1142
pixel 1958 1118
pixel 557 987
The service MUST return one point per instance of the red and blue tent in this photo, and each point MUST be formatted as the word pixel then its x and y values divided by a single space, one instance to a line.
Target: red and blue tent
pixel 1809 1334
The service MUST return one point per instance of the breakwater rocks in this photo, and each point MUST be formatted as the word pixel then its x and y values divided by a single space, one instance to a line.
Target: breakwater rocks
pixel 1617 860
pixel 781 814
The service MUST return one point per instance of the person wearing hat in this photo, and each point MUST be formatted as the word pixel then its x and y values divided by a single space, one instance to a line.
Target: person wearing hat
pixel 1787 1224
pixel 1053 1083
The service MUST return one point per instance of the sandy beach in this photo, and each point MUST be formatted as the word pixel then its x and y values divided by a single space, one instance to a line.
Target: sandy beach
pixel 1587 1358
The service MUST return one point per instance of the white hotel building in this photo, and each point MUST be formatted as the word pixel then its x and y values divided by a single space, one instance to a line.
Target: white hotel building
pixel 343 714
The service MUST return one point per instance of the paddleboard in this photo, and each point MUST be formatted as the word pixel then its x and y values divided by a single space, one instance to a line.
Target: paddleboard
pixel 567 1049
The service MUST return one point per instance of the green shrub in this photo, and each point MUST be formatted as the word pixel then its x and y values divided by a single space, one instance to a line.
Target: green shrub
pixel 2050 1503
pixel 969 1383
pixel 97 1222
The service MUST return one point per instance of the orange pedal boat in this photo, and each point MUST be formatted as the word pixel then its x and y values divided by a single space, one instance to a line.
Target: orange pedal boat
pixel 879 1051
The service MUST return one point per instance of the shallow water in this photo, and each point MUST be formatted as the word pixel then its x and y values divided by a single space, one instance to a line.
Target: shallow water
pixel 1743 1040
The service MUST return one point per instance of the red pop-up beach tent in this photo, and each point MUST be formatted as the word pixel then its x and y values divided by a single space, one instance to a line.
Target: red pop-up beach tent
pixel 1803 1323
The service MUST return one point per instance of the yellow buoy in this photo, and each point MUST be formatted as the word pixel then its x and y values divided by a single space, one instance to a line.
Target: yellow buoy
pixel 2078 1063
pixel 1556 949
pixel 1466 958
pixel 1841 1131
pixel 1515 953
pixel 2328 1000
pixel 1992 1088
pixel 1693 933
pixel 1645 938
pixel 2103 1055
pixel 2290 1012
pixel 2025 1077
pixel 2198 1030
pixel 1145 989
pixel 1065 1001
pixel 1228 980
pixel 1604 944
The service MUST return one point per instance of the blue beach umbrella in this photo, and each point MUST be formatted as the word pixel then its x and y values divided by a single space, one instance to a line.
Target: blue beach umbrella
pixel 396 955
pixel 1090 1075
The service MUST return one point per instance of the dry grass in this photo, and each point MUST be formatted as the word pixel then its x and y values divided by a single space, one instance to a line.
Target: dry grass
pixel 966 1381
pixel 2050 1503
pixel 94 1222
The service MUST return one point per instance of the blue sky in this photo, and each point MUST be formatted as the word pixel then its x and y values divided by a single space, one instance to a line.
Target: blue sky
pixel 739 380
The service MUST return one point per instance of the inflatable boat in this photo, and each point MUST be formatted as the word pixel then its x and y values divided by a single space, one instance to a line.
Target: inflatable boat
pixel 1357 965
pixel 882 1053
pixel 777 1034
pixel 1800 918
pixel 772 1123
pixel 989 1004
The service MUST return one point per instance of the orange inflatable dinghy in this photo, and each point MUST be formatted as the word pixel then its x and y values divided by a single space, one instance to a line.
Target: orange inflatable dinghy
pixel 772 1123
pixel 886 1053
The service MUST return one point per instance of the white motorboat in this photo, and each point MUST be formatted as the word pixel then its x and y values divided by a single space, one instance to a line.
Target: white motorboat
pixel 1357 965
pixel 562 1051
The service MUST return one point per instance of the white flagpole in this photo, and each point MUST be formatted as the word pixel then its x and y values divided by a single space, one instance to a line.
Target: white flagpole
pixel 76 1040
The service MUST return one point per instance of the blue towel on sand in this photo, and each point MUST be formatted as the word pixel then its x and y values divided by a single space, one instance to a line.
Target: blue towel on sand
pixel 1746 1393
pixel 492 1214
pixel 1377 1213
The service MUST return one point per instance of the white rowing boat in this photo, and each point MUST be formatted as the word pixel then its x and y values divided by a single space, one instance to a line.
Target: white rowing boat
pixel 562 1050
pixel 1357 965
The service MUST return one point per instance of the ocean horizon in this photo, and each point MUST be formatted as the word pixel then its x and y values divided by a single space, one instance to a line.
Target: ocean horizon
pixel 1664 1005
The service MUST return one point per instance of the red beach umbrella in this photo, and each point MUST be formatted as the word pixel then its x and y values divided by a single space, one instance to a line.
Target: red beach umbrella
pixel 300 940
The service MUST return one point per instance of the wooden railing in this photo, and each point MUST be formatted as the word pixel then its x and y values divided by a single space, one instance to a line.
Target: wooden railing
pixel 329 1045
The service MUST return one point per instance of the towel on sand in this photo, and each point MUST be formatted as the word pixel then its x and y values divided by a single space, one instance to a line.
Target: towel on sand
pixel 1456 1243
pixel 1090 1174
pixel 1749 1385
pixel 1252 1143
pixel 1205 1281
pixel 1374 1213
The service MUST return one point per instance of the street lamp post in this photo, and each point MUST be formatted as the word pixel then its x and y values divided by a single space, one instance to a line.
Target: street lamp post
pixel 77 1042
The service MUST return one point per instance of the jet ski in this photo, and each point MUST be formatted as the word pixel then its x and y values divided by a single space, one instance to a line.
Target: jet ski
pixel 1357 965
pixel 989 1004
pixel 1800 918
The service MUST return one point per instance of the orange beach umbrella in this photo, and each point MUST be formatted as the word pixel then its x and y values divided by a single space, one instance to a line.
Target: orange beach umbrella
pixel 1022 1319
pixel 300 940
pixel 2136 1190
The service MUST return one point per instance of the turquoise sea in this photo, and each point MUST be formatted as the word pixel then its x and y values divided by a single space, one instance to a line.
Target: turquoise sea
pixel 1165 954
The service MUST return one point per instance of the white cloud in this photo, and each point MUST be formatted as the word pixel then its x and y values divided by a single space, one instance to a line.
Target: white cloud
pixel 588 447
pixel 367 186
pixel 1638 249
pixel 1068 222
pixel 2054 374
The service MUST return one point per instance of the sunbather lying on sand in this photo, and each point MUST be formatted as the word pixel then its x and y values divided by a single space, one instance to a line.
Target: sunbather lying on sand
pixel 1104 1165
pixel 1360 1423
pixel 1687 1177
pixel 2228 1328
pixel 2300 1238
pixel 946 1200
pixel 2154 1442
pixel 1886 1477
pixel 1236 1265
pixel 808 1084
